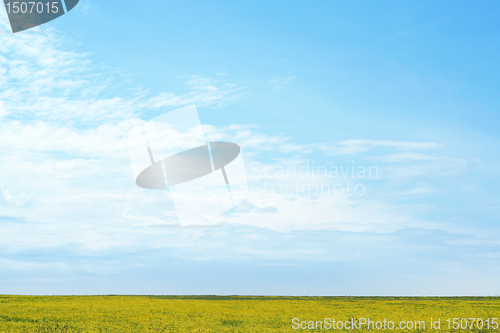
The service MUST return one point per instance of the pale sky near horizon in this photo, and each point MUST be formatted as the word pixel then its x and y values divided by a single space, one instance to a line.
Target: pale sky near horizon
pixel 406 89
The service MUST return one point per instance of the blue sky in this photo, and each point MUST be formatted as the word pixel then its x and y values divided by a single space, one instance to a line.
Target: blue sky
pixel 408 88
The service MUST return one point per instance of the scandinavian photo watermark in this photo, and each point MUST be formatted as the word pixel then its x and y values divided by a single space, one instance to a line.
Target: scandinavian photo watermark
pixel 369 324
pixel 311 179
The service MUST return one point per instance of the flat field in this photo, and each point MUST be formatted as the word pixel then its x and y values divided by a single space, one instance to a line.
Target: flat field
pixel 247 314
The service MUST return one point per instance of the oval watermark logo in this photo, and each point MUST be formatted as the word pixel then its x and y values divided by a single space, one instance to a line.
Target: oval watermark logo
pixel 204 178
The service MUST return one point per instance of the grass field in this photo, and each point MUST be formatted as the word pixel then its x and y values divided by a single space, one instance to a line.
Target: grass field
pixel 241 314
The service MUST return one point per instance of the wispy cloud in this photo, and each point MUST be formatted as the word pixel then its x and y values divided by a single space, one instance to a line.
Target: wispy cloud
pixel 64 124
pixel 39 80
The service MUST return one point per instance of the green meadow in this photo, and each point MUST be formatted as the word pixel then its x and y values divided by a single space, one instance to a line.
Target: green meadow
pixel 247 314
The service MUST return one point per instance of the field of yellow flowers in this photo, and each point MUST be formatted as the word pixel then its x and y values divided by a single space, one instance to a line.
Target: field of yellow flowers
pixel 246 314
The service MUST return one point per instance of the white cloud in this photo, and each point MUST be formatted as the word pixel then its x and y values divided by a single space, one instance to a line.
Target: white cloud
pixel 278 82
pixel 65 165
pixel 402 145
pixel 40 80
pixel 18 200
pixel 3 110
pixel 362 146
pixel 323 212
pixel 408 165
pixel 63 170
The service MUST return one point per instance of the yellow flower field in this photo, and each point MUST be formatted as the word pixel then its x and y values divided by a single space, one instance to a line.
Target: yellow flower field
pixel 246 314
